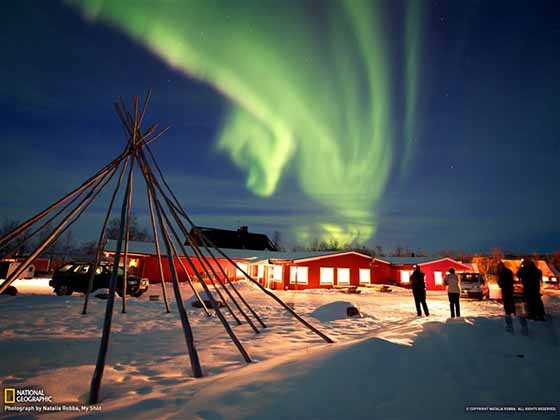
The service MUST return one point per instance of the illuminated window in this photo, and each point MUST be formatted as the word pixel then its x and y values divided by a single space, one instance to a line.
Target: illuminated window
pixel 301 275
pixel 405 276
pixel 545 278
pixel 293 274
pixel 260 271
pixel 277 273
pixel 365 276
pixel 438 278
pixel 343 275
pixel 327 275
pixel 238 272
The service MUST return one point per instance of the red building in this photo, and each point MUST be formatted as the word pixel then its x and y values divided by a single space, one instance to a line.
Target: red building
pixel 299 270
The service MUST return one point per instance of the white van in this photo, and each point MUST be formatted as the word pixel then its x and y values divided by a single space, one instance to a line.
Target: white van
pixel 474 285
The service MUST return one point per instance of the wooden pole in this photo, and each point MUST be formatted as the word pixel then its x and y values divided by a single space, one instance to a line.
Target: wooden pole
pixel 255 315
pixel 272 295
pixel 189 339
pixel 59 229
pixel 101 240
pixel 205 287
pixel 190 280
pixel 126 236
pixel 104 345
pixel 8 237
pixel 156 240
pixel 181 211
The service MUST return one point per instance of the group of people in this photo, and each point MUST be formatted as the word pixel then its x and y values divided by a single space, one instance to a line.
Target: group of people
pixel 418 286
pixel 529 275
pixel 531 278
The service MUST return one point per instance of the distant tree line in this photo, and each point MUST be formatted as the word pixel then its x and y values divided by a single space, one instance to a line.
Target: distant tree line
pixel 66 245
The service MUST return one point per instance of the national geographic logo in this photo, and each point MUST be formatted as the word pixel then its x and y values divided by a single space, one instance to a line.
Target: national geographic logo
pixel 26 395
pixel 9 395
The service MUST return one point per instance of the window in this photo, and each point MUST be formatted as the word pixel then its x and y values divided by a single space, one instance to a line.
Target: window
pixel 301 275
pixel 327 275
pixel 293 274
pixel 343 275
pixel 405 276
pixel 438 278
pixel 238 272
pixel 260 271
pixel 365 276
pixel 277 273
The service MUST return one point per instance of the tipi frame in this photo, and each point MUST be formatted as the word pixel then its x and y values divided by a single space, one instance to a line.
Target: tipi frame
pixel 169 223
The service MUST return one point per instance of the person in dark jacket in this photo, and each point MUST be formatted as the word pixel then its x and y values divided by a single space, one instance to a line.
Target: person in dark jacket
pixel 531 278
pixel 419 291
pixel 505 281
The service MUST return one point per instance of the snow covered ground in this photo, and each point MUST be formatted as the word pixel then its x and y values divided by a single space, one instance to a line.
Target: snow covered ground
pixel 387 364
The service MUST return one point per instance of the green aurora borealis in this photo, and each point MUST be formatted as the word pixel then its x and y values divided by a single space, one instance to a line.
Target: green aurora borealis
pixel 311 92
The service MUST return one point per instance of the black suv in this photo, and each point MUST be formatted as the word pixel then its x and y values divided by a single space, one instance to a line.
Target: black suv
pixel 74 277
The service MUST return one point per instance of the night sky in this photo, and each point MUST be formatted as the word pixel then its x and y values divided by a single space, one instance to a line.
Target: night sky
pixel 463 95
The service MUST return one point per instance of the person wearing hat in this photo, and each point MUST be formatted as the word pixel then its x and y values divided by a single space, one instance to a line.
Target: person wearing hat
pixel 419 291
pixel 454 292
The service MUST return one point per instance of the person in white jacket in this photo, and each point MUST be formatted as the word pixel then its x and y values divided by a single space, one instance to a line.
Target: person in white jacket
pixel 454 292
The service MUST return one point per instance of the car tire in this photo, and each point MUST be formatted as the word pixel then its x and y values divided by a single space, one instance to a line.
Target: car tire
pixel 63 290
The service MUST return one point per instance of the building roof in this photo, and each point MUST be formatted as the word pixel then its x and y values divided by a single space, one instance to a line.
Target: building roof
pixel 420 261
pixel 253 256
pixel 235 239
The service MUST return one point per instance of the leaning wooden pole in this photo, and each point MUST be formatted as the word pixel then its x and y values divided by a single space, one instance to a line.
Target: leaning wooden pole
pixel 8 237
pixel 272 295
pixel 101 241
pixel 187 330
pixel 104 345
pixel 268 292
pixel 202 258
pixel 127 235
pixel 60 228
pixel 230 283
pixel 178 207
pixel 147 175
pixel 221 317
pixel 158 251
pixel 209 271
pixel 190 281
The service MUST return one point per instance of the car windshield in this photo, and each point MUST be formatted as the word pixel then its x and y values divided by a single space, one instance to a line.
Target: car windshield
pixel 470 277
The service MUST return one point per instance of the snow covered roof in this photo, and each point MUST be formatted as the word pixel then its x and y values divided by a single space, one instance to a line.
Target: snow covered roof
pixel 420 261
pixel 148 248
pixel 409 260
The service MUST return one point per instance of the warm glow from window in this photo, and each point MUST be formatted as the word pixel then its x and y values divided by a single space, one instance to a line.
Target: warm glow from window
pixel 260 271
pixel 405 276
pixel 365 276
pixel 327 275
pixel 301 275
pixel 293 274
pixel 277 273
pixel 343 275
pixel 438 278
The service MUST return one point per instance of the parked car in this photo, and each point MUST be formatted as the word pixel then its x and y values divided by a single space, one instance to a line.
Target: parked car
pixel 74 277
pixel 474 285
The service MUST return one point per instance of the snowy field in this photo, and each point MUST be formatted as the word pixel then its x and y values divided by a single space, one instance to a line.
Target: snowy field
pixel 389 364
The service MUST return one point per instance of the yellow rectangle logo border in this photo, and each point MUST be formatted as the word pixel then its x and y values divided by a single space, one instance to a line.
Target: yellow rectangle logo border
pixel 7 392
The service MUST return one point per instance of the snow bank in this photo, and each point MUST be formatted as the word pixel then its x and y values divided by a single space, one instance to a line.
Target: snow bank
pixel 332 311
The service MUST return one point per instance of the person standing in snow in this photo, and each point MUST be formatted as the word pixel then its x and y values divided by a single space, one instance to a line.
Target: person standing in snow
pixel 419 291
pixel 531 278
pixel 454 292
pixel 505 281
